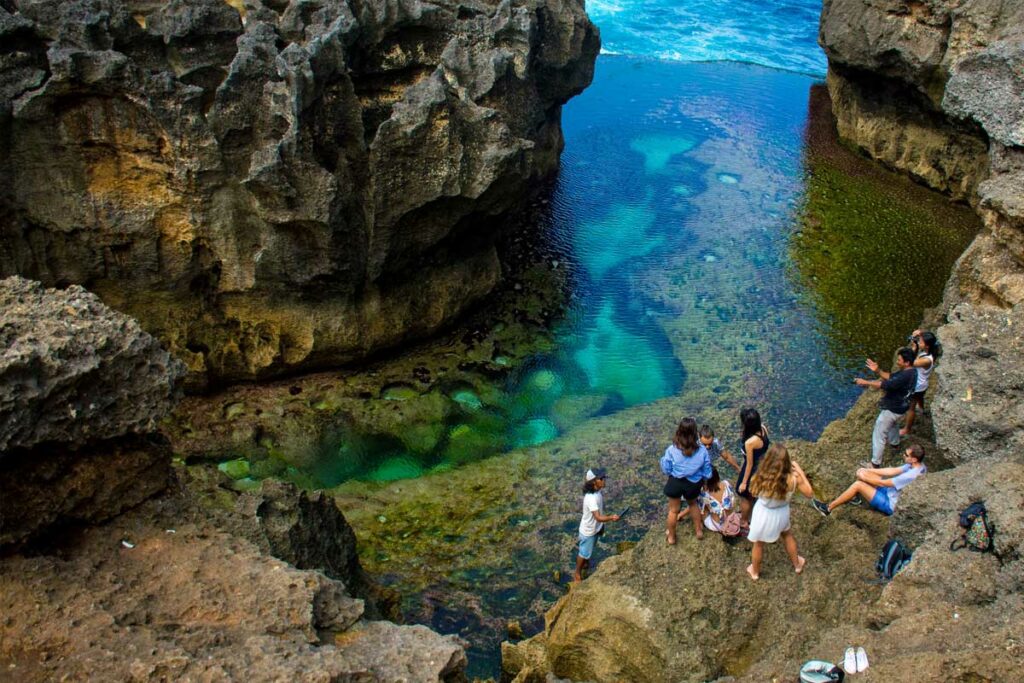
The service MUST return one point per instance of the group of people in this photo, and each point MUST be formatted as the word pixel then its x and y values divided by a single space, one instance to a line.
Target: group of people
pixel 758 505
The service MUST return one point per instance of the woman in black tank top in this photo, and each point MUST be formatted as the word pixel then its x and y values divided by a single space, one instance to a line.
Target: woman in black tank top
pixel 753 444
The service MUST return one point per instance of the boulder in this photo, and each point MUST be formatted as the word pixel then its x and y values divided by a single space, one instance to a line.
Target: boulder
pixel 274 186
pixel 82 388
pixel 72 371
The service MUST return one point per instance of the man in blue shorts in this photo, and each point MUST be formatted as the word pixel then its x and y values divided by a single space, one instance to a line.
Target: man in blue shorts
pixel 880 487
pixel 593 519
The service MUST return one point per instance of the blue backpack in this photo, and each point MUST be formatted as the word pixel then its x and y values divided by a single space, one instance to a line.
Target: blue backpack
pixel 891 560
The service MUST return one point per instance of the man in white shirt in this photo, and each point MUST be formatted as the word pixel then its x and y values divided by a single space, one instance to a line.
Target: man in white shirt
pixel 880 488
pixel 593 519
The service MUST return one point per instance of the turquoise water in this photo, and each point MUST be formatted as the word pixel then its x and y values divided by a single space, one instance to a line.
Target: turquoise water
pixel 775 33
pixel 673 211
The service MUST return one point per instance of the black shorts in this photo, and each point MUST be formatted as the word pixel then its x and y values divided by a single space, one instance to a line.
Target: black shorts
pixel 682 488
pixel 917 398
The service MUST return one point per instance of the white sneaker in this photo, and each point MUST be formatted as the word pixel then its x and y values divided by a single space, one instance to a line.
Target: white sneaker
pixel 850 661
pixel 862 659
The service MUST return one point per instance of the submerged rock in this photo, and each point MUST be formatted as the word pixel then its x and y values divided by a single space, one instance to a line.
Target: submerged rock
pixel 263 184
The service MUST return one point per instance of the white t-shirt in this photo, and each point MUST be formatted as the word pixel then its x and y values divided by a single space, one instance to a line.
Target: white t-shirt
pixel 592 502
pixel 900 481
pixel 923 373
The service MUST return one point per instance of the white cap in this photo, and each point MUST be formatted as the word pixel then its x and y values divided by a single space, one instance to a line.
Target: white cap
pixel 596 473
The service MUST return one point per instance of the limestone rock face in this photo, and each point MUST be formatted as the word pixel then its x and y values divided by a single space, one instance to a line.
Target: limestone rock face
pixel 935 89
pixel 73 371
pixel 81 390
pixel 980 410
pixel 279 185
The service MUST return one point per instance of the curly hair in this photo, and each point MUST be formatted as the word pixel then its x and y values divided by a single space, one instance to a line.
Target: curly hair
pixel 772 479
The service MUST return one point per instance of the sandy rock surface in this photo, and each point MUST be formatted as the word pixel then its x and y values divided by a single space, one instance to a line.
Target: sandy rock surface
pixel 163 593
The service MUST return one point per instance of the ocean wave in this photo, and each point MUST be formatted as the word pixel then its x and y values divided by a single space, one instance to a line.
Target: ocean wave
pixel 781 35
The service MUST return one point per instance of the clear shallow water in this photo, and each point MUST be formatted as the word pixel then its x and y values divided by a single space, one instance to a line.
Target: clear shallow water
pixel 680 213
pixel 776 33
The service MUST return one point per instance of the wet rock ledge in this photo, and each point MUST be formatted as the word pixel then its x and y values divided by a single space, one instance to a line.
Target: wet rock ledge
pixel 278 186
pixel 113 561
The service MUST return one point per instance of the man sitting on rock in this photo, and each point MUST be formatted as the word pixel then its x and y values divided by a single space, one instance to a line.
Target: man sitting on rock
pixel 880 487
pixel 897 389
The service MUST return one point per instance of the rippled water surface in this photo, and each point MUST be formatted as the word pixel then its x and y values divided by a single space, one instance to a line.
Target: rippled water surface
pixel 775 33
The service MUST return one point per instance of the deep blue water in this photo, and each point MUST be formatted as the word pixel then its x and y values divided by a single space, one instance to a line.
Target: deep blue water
pixel 676 201
pixel 776 33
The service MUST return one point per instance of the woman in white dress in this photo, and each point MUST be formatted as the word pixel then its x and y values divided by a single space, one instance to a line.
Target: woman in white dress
pixel 773 484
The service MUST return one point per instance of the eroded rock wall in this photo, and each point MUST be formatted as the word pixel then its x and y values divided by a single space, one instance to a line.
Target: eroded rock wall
pixel 936 89
pixel 280 185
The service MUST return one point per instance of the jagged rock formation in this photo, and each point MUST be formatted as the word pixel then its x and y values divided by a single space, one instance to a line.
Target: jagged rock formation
pixel 280 185
pixel 304 528
pixel 81 390
pixel 74 371
pixel 160 593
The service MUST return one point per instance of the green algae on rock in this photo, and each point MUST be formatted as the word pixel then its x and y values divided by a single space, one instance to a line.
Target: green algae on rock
pixel 866 233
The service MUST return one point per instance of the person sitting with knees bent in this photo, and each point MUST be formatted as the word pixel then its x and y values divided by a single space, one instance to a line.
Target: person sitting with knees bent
pixel 881 487
pixel 593 519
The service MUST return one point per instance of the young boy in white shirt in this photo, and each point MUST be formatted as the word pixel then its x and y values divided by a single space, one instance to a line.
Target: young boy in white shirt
pixel 593 519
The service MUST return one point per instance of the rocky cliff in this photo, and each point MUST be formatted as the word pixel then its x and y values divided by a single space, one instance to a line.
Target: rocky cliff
pixel 270 186
pixel 936 89
pixel 81 391
pixel 111 561
pixel 932 89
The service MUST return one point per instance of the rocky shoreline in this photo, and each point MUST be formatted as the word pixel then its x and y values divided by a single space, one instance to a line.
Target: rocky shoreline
pixel 111 560
pixel 929 90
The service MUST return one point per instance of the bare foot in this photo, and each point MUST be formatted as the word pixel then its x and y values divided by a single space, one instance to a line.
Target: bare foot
pixel 670 538
pixel 700 535
pixel 576 578
pixel 799 568
pixel 750 571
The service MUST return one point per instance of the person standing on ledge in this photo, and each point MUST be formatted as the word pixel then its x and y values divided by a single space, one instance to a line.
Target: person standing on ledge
pixel 897 387
pixel 924 343
pixel 592 523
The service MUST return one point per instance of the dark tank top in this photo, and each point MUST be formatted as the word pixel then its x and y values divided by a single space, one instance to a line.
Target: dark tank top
pixel 758 454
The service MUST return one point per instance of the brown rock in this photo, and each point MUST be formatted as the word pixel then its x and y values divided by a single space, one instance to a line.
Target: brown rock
pixel 159 593
pixel 269 186
pixel 54 486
